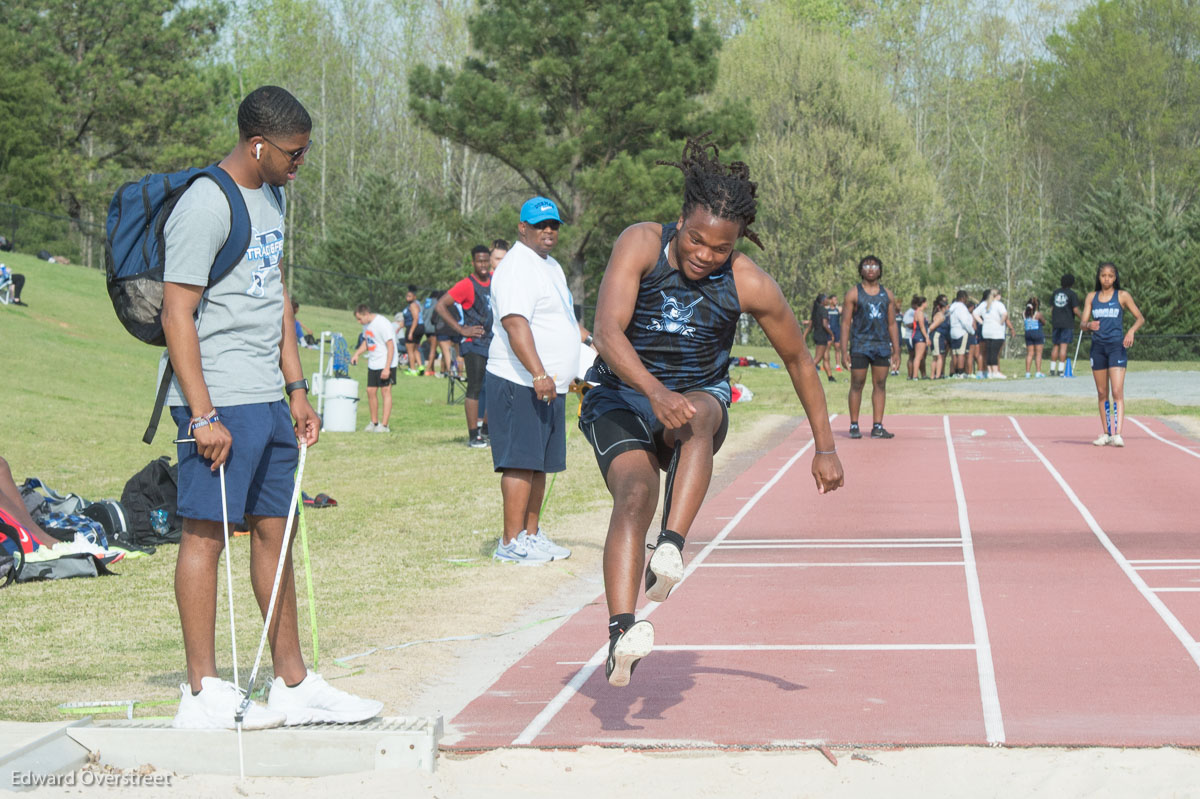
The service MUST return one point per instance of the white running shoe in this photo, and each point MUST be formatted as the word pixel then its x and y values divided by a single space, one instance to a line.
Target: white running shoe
pixel 539 540
pixel 1039 374
pixel 370 428
pixel 1102 440
pixel 215 706
pixel 315 700
pixel 1116 441
pixel 626 650
pixel 664 571
pixel 519 551
pixel 382 428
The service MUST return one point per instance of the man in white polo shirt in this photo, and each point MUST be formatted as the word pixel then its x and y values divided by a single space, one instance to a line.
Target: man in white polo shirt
pixel 532 359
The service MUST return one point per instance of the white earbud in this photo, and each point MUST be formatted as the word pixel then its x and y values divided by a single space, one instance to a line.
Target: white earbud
pixel 258 151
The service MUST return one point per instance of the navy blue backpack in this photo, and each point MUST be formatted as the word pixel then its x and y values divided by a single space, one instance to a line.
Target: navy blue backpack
pixel 135 253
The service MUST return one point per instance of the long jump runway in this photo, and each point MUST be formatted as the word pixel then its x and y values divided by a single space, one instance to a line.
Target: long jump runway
pixel 979 580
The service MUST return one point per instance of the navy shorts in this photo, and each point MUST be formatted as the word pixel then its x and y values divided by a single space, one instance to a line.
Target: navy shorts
pixel 260 470
pixel 1062 335
pixel 526 432
pixel 861 360
pixel 972 340
pixel 1035 339
pixel 1108 355
pixel 616 420
pixel 958 346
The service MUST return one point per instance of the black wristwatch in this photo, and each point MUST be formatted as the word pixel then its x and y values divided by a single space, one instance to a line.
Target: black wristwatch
pixel 299 384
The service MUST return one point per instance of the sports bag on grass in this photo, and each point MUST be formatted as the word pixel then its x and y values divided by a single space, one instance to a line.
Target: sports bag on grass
pixel 135 252
pixel 154 487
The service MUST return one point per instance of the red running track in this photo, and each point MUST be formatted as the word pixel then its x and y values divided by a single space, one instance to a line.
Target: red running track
pixel 980 579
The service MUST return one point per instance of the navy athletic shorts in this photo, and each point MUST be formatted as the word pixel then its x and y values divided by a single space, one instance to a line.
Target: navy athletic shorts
pixel 1062 335
pixel 1107 355
pixel 616 420
pixel 526 432
pixel 260 471
pixel 861 360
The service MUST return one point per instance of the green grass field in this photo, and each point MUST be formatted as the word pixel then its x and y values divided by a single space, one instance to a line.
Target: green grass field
pixel 417 518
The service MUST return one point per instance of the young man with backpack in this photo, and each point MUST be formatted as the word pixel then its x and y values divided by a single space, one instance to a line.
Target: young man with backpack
pixel 472 294
pixel 233 348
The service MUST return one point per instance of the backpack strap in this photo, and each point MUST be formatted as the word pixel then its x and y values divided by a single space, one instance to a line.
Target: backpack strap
pixel 159 401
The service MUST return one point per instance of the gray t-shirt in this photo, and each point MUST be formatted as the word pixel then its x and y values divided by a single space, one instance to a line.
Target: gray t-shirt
pixel 240 319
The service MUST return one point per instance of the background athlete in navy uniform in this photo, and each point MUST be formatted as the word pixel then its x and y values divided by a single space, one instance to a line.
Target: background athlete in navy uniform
pixel 1103 314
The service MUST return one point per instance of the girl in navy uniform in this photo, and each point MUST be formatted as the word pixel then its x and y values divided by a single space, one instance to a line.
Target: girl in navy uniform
pixel 869 338
pixel 920 340
pixel 939 335
pixel 666 317
pixel 1035 337
pixel 1103 312
pixel 822 333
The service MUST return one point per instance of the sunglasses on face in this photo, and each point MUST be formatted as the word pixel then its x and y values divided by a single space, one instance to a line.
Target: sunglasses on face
pixel 293 155
pixel 546 224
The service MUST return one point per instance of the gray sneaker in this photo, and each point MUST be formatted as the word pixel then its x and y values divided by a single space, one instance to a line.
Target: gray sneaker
pixel 540 542
pixel 519 550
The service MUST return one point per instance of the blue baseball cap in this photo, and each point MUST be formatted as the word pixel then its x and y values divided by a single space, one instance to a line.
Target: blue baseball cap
pixel 539 209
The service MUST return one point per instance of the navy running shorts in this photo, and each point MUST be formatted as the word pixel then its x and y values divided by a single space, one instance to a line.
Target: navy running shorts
pixel 1035 339
pixel 861 360
pixel 260 470
pixel 1062 335
pixel 617 420
pixel 958 346
pixel 1108 355
pixel 526 432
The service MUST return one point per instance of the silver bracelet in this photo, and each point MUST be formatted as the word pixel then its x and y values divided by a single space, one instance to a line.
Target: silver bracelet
pixel 830 452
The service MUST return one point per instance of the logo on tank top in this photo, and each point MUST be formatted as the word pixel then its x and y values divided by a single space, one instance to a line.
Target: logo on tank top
pixel 874 311
pixel 675 317
pixel 267 248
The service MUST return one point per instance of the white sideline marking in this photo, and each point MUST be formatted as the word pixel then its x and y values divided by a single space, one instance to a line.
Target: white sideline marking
pixel 1174 590
pixel 993 721
pixel 821 565
pixel 1167 560
pixel 1179 447
pixel 1167 568
pixel 539 722
pixel 919 545
pixel 1166 615
pixel 811 647
pixel 742 541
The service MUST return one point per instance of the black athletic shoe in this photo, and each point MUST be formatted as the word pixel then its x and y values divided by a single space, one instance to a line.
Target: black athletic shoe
pixel 879 432
pixel 664 571
pixel 831 380
pixel 855 432
pixel 625 650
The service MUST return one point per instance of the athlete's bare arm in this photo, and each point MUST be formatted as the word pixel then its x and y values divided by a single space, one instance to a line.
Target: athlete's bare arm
pixel 760 297
pixel 893 310
pixel 1084 321
pixel 848 307
pixel 1138 320
pixel 633 257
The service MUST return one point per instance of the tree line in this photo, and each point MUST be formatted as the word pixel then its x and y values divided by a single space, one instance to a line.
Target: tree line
pixel 966 142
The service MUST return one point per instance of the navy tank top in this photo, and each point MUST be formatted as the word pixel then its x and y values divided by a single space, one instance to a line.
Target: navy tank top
pixel 1110 315
pixel 869 332
pixel 681 329
pixel 480 313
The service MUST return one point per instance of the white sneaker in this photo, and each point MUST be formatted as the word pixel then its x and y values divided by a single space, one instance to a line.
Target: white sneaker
pixel 1116 441
pixel 315 700
pixel 1102 440
pixel 382 428
pixel 370 428
pixel 664 571
pixel 1027 375
pixel 539 541
pixel 999 376
pixel 519 550
pixel 215 706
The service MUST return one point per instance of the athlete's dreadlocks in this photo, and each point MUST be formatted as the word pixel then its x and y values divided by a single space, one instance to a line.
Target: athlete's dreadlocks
pixel 726 191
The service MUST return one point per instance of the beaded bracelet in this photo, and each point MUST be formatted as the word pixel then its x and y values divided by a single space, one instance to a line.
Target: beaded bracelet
pixel 203 421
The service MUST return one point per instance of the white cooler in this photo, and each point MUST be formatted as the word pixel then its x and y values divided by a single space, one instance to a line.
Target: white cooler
pixel 340 405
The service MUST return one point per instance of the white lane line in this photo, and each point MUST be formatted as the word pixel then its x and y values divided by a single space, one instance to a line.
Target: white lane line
pixel 539 722
pixel 1174 590
pixel 811 647
pixel 919 545
pixel 1179 447
pixel 1161 609
pixel 742 541
pixel 1184 567
pixel 993 720
pixel 1167 560
pixel 856 564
